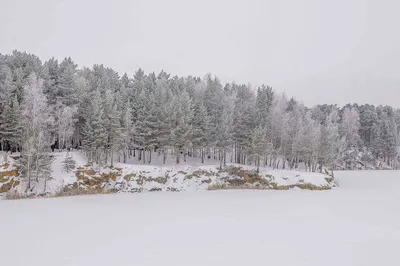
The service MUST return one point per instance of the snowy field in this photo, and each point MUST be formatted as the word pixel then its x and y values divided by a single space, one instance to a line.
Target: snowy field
pixel 357 224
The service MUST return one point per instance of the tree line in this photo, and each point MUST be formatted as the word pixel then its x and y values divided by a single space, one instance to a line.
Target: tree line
pixel 111 117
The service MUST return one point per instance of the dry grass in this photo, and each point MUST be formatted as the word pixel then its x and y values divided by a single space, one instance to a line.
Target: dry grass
pixel 234 186
pixel 5 187
pixel 263 186
pixel 307 186
pixel 14 195
pixel 81 191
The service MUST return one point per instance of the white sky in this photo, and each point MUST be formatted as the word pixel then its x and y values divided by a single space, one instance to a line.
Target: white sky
pixel 317 51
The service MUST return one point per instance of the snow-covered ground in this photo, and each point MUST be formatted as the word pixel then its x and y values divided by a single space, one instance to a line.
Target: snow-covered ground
pixel 135 176
pixel 358 224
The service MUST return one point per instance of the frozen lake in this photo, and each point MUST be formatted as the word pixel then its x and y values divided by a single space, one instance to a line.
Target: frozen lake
pixel 357 224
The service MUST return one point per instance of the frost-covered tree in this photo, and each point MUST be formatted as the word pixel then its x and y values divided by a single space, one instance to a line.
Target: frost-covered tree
pixel 94 132
pixel 279 128
pixel 258 146
pixel 128 130
pixel 213 96
pixel 201 129
pixel 108 115
pixel 349 129
pixel 69 163
pixel 36 120
pixel 65 119
pixel 243 121
pixel 328 142
pixel 224 138
pixel 182 127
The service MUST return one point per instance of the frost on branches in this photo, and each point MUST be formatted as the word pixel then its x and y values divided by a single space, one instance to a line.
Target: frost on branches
pixel 112 118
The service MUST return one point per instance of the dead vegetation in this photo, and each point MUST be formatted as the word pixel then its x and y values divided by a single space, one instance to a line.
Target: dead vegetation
pixel 236 186
pixel 68 192
pixel 5 187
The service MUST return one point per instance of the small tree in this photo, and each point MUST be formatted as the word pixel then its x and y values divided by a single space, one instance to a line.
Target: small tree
pixel 258 146
pixel 45 170
pixel 69 163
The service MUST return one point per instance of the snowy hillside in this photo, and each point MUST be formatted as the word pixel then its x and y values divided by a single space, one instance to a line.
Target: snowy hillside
pixel 136 177
pixel 355 225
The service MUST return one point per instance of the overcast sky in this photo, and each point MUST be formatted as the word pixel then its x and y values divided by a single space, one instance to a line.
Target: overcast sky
pixel 317 51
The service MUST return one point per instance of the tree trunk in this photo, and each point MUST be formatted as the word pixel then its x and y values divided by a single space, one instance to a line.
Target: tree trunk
pixel 37 168
pixel 220 162
pixel 112 159
pixel 164 156
pixel 224 153
pixel 177 157
pixel 29 174
pixel 202 155
pixel 150 156
pixel 258 164
pixel 45 185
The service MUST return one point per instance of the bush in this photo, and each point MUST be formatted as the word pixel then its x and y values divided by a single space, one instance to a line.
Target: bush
pixel 14 195
pixel 81 191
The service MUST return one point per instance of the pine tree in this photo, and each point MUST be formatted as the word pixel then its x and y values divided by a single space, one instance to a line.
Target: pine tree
pixel 94 131
pixel 225 134
pixel 66 87
pixel 213 102
pixel 329 138
pixel 349 129
pixel 69 163
pixel 128 130
pixel 243 122
pixel 182 128
pixel 7 89
pixel 112 125
pixel 201 129
pixel 258 146
pixel 165 102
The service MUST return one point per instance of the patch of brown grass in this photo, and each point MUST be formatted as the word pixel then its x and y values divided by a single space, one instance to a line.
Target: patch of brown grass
pixel 3 179
pixel 113 176
pixel 229 186
pixel 5 187
pixel 69 192
pixel 11 173
pixel 14 195
pixel 301 185
pixel 128 177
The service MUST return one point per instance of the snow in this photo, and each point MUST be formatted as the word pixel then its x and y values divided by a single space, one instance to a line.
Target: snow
pixel 358 224
pixel 59 174
pixel 188 176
